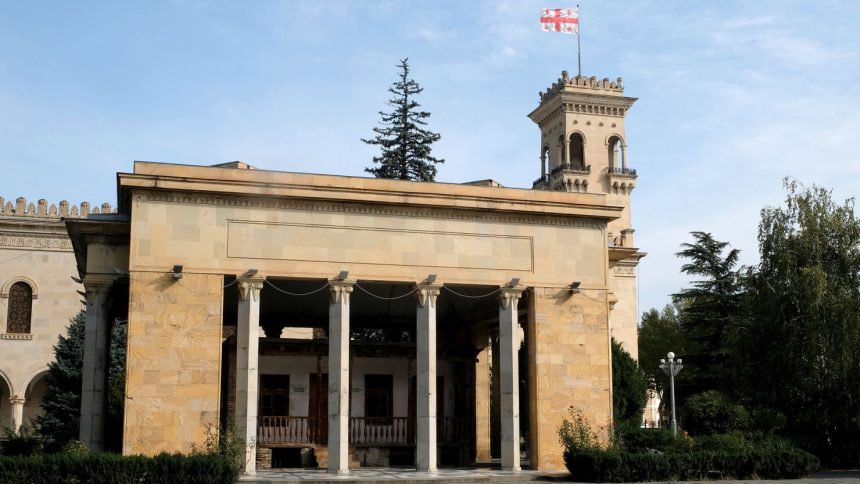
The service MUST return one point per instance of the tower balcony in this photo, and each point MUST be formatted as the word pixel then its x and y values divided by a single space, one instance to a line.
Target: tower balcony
pixel 564 178
pixel 622 180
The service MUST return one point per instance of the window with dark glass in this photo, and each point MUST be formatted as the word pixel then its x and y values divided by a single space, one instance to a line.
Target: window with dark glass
pixel 274 395
pixel 378 396
pixel 20 308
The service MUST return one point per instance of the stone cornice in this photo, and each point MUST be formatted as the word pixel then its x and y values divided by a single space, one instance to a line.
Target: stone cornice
pixel 366 209
pixel 194 182
pixel 580 103
pixel 35 241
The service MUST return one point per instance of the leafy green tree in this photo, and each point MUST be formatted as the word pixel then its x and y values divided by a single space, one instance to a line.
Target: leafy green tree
pixel 405 143
pixel 801 352
pixel 659 333
pixel 629 386
pixel 713 308
pixel 61 403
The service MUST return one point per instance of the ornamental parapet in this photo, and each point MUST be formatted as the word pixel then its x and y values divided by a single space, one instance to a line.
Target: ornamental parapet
pixel 583 83
pixel 41 209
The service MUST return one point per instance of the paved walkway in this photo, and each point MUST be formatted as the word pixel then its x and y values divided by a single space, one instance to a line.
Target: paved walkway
pixel 468 475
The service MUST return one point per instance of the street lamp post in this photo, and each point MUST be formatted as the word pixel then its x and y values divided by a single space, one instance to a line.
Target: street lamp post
pixel 671 368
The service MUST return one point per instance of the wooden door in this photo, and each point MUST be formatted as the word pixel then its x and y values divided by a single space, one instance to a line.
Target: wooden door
pixel 318 407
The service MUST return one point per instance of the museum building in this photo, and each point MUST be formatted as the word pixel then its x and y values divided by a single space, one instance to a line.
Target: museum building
pixel 345 321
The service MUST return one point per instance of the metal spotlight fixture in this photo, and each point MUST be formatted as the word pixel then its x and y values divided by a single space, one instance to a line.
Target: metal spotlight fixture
pixel 514 282
pixel 574 287
pixel 431 279
pixel 342 275
pixel 250 273
pixel 177 271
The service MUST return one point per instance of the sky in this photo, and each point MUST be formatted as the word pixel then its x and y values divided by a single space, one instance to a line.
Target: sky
pixel 733 97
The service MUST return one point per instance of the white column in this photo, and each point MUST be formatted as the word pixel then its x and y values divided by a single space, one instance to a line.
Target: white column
pixel 17 412
pixel 425 387
pixel 94 371
pixel 510 393
pixel 338 377
pixel 247 357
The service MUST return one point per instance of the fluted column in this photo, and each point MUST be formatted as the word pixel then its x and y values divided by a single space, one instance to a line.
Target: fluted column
pixel 510 393
pixel 94 370
pixel 338 377
pixel 247 374
pixel 425 361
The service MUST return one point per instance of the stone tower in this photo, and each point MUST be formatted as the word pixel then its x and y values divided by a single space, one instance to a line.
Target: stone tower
pixel 583 149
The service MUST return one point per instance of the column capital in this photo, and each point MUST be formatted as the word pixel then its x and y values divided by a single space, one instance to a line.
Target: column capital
pixel 97 286
pixel 427 294
pixel 250 287
pixel 16 400
pixel 509 296
pixel 340 290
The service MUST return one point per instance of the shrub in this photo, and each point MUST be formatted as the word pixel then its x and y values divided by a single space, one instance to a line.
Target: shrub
pixel 24 441
pixel 711 412
pixel 634 438
pixel 594 465
pixel 113 468
pixel 576 434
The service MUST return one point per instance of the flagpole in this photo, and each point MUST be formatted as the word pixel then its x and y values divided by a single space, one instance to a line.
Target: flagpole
pixel 578 48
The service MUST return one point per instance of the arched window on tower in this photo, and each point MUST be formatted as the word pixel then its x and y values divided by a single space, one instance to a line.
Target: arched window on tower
pixel 20 308
pixel 616 155
pixel 576 148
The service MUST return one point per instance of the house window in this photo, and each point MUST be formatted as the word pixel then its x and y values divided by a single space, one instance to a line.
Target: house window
pixel 274 395
pixel 20 308
pixel 378 396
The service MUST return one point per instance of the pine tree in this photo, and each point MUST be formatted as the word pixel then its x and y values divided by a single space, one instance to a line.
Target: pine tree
pixel 405 144
pixel 712 311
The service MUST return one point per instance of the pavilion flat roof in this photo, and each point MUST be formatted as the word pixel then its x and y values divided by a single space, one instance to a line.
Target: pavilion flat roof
pixel 348 189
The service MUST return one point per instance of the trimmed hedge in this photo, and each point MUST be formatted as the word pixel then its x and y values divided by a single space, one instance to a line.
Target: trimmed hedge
pixel 611 466
pixel 113 468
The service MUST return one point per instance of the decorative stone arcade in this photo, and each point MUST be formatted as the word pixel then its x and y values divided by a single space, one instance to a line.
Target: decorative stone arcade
pixel 426 392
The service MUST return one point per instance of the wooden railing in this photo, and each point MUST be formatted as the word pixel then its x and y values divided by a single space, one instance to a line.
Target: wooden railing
pixel 380 431
pixel 280 430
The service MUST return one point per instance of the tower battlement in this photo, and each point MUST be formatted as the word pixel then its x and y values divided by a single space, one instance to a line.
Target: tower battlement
pixel 583 84
pixel 40 209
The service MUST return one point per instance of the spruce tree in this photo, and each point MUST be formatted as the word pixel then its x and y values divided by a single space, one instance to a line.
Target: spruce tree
pixel 405 143
pixel 61 403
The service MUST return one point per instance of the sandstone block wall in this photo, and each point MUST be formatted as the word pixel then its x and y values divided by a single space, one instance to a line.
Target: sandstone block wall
pixel 568 341
pixel 174 356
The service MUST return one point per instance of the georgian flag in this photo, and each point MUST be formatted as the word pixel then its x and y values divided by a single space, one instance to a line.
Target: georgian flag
pixel 564 20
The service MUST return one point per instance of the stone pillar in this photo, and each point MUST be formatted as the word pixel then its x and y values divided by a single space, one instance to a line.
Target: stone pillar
pixel 338 377
pixel 17 412
pixel 565 151
pixel 623 157
pixel 510 393
pixel 482 398
pixel 94 371
pixel 247 357
pixel 425 388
